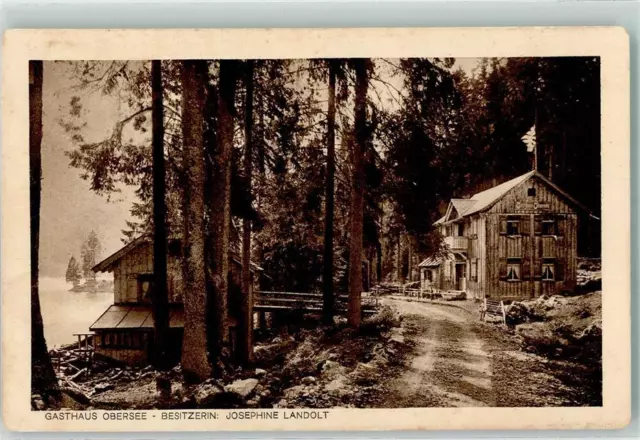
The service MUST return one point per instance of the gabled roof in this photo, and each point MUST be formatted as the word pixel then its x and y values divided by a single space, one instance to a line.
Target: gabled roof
pixel 106 265
pixel 437 260
pixel 486 199
pixel 431 262
pixel 462 206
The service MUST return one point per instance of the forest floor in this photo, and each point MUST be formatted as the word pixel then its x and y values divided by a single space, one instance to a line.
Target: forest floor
pixel 458 361
pixel 313 367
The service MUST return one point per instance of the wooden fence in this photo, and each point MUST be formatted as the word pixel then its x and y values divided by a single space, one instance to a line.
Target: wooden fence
pixel 268 301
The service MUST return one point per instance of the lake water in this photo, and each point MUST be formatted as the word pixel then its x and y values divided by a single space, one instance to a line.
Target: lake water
pixel 65 313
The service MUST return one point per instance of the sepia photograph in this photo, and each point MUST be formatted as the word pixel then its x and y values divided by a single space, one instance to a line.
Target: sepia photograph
pixel 268 237
pixel 317 233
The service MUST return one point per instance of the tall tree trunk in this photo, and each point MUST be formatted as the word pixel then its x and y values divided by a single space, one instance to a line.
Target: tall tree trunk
pixel 550 160
pixel 245 349
pixel 327 274
pixel 409 260
pixel 378 261
pixel 354 314
pixel 399 259
pixel 160 301
pixel 221 202
pixel 43 378
pixel 195 362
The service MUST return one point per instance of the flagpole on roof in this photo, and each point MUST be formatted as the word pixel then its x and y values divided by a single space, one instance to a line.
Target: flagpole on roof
pixel 535 144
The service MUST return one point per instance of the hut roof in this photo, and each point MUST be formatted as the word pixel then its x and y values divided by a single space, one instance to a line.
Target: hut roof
pixel 107 264
pixel 486 199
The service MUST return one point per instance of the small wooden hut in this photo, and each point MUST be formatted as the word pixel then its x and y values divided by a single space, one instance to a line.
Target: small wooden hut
pixel 124 332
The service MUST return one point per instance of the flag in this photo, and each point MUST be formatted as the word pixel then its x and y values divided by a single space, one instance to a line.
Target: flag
pixel 530 139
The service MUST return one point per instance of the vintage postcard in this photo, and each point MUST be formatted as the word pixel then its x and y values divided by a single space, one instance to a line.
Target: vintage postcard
pixel 315 229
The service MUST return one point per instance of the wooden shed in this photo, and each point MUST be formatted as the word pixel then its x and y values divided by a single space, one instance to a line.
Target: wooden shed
pixel 125 330
pixel 515 240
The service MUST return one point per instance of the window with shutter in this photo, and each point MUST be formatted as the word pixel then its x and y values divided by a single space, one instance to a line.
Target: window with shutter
pixel 526 270
pixel 525 225
pixel 537 272
pixel 561 224
pixel 549 226
pixel 513 226
pixel 537 225
pixel 503 226
pixel 559 266
pixel 503 269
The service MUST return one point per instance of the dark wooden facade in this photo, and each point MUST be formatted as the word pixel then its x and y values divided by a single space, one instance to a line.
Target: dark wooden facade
pixel 514 241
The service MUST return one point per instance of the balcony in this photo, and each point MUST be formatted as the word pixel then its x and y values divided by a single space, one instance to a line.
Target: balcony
pixel 457 243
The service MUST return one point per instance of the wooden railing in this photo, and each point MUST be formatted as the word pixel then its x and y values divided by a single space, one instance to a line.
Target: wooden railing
pixel 457 243
pixel 270 301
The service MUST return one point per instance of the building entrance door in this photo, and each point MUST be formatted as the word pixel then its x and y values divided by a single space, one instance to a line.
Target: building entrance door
pixel 461 276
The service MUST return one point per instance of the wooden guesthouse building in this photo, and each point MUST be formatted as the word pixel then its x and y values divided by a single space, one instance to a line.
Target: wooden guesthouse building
pixel 124 332
pixel 515 240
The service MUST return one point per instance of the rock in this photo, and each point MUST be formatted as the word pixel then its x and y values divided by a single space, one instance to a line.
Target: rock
pixel 331 369
pixel 177 370
pixel 242 387
pixel 293 392
pixel 282 403
pixel 252 403
pixel 308 380
pixel 364 374
pixel 260 372
pixel 396 334
pixel 593 330
pixel 338 387
pixel 102 387
pixel 75 395
pixel 38 404
pixel 207 393
pixel 163 386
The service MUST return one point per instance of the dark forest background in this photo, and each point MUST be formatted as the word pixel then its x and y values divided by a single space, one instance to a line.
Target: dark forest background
pixel 433 131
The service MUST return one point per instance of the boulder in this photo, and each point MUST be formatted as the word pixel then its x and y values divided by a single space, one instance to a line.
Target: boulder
pixel 338 387
pixel 331 369
pixel 207 393
pixel 37 403
pixel 308 380
pixel 592 331
pixel 260 372
pixel 242 387
pixel 396 334
pixel 364 374
pixel 293 392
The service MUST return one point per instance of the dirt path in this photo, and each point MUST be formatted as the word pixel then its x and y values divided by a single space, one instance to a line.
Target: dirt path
pixel 458 362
